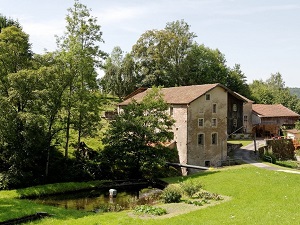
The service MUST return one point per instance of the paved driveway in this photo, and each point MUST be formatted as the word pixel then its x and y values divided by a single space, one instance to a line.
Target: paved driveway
pixel 247 154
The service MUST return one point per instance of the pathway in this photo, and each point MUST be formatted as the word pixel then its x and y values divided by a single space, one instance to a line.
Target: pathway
pixel 247 154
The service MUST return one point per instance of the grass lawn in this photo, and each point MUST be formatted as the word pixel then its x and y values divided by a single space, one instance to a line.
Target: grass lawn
pixel 243 142
pixel 257 196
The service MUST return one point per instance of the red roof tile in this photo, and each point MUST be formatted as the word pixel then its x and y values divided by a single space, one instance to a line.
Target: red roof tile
pixel 277 110
pixel 182 94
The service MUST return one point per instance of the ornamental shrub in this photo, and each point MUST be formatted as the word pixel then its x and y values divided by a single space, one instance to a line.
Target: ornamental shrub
pixel 157 211
pixel 171 194
pixel 190 187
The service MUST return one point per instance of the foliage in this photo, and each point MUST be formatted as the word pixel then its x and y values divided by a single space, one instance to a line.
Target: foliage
pixel 273 91
pixel 152 210
pixel 171 194
pixel 297 125
pixel 7 22
pixel 209 196
pixel 160 54
pixel 119 77
pixel 134 140
pixel 170 57
pixel 80 54
pixel 44 95
pixel 190 187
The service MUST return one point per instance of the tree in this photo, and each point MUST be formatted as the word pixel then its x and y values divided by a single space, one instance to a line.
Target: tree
pixel 237 81
pixel 81 54
pixel 273 91
pixel 160 54
pixel 17 126
pixel 7 22
pixel 170 57
pixel 15 54
pixel 134 140
pixel 119 74
pixel 205 66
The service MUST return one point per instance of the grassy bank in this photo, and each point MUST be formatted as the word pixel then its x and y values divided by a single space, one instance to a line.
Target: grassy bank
pixel 257 196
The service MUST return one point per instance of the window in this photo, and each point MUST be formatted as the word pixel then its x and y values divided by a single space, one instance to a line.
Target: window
pixel 214 138
pixel 213 122
pixel 200 122
pixel 235 122
pixel 245 118
pixel 207 96
pixel 234 107
pixel 207 163
pixel 214 108
pixel 171 111
pixel 200 139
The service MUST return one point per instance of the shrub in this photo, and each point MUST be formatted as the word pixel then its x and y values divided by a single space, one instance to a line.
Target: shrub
pixel 150 210
pixel 171 194
pixel 209 196
pixel 190 187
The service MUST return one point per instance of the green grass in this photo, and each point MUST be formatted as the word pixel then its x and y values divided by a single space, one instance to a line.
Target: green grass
pixel 243 142
pixel 258 196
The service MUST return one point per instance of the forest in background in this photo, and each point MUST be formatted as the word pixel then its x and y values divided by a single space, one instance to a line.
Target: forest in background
pixel 52 103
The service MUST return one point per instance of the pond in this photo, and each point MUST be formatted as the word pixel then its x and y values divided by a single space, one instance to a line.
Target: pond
pixel 99 200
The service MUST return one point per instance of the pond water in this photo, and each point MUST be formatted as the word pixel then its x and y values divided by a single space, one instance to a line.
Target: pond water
pixel 97 200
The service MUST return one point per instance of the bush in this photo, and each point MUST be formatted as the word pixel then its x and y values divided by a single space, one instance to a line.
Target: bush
pixel 171 194
pixel 150 210
pixel 209 196
pixel 190 187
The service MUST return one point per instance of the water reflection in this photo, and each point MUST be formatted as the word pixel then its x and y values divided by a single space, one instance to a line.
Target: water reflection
pixel 96 200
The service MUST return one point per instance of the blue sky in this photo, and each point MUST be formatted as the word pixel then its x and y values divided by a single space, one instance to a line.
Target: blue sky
pixel 263 36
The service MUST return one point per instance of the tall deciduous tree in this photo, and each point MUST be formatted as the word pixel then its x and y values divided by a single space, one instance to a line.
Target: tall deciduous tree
pixel 81 53
pixel 15 54
pixel 119 77
pixel 134 140
pixel 160 54
pixel 170 57
pixel 205 66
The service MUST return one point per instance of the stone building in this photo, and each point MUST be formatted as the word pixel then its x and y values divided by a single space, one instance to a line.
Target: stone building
pixel 204 115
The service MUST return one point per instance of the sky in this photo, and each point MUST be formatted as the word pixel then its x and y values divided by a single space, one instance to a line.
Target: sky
pixel 263 36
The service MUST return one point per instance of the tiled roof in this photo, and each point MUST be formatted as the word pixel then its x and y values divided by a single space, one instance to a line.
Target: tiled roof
pixel 182 94
pixel 243 97
pixel 277 110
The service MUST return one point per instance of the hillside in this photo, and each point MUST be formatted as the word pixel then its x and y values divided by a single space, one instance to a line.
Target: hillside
pixel 295 91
